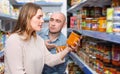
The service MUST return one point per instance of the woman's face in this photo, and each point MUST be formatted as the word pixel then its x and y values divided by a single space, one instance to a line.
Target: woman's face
pixel 37 20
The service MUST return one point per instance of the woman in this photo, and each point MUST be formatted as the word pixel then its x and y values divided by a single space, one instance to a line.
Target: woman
pixel 25 52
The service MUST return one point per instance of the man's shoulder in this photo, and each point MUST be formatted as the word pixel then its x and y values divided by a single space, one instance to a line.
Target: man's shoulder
pixel 62 36
pixel 43 31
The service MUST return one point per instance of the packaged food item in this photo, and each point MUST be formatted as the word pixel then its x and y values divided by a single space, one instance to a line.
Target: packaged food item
pixel 109 28
pixel 88 23
pixel 110 13
pixel 74 37
pixel 113 70
pixel 116 28
pixel 118 70
pixel 83 24
pixel 106 69
pixel 94 25
pixel 98 11
pixel 102 24
pixel 107 54
pixel 85 12
pixel 116 55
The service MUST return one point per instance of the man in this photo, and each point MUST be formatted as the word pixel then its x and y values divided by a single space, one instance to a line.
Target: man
pixel 54 37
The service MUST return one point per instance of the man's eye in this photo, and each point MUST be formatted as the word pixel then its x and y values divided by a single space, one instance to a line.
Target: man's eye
pixel 58 21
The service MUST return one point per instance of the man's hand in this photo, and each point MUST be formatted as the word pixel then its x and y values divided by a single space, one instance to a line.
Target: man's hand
pixel 49 46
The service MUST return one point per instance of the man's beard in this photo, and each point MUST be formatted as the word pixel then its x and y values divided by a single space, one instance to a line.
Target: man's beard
pixel 54 32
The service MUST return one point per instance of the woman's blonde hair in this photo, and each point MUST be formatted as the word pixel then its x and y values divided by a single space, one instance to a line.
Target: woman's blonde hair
pixel 23 23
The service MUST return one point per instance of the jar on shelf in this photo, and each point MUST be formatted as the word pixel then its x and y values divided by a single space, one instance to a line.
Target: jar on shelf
pixel 91 12
pixel 102 24
pixel 88 23
pixel 83 24
pixel 118 70
pixel 113 70
pixel 100 67
pixel 116 55
pixel 116 28
pixel 85 12
pixel 107 54
pixel 98 11
pixel 104 9
pixel 107 68
pixel 94 25
pixel 115 3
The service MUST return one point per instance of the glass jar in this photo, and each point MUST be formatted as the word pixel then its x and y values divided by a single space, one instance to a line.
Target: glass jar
pixel 98 11
pixel 88 23
pixel 74 37
pixel 102 24
pixel 94 25
pixel 116 55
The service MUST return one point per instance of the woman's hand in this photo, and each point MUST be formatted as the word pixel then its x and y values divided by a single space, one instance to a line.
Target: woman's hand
pixel 76 45
pixel 60 48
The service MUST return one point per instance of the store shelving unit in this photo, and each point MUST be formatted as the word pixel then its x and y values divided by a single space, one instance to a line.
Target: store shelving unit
pixel 99 35
pixel 89 3
pixel 82 65
pixel 6 16
pixel 94 34
pixel 77 6
pixel 1 53
pixel 41 3
pixel 102 36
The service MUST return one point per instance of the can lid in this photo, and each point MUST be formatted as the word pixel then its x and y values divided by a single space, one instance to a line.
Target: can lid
pixel 76 32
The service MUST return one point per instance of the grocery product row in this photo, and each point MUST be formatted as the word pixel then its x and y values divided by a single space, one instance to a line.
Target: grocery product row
pixel 97 56
pixel 96 18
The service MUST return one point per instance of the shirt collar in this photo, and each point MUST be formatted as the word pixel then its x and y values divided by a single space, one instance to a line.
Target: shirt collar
pixel 47 33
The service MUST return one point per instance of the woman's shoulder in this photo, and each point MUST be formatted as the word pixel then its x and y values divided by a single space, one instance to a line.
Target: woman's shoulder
pixel 39 38
pixel 13 37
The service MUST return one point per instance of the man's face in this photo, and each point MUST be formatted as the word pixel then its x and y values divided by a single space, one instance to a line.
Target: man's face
pixel 56 23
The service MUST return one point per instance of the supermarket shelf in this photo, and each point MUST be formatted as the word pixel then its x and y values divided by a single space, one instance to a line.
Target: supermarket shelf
pixel 6 16
pixel 49 3
pixel 82 65
pixel 76 7
pixel 98 35
pixel 42 3
pixel 1 53
pixel 89 3
pixel 101 35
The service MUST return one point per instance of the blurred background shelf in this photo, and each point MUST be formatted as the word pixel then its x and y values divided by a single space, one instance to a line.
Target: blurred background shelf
pixel 42 3
pixel 82 65
pixel 6 16
pixel 88 3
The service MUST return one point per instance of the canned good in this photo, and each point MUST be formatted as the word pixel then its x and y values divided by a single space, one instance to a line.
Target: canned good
pixel 74 37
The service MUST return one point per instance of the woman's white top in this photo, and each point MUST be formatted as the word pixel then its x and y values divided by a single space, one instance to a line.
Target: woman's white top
pixel 29 57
